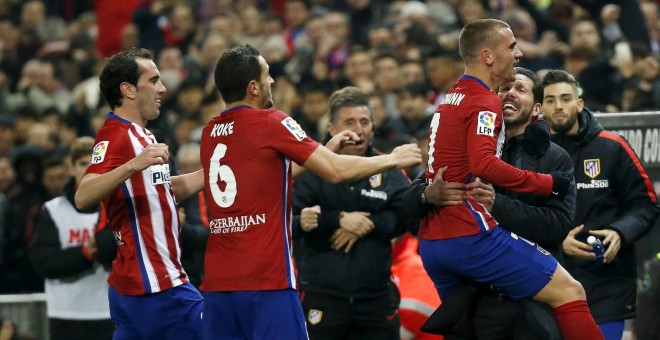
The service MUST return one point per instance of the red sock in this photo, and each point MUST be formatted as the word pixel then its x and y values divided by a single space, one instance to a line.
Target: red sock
pixel 576 323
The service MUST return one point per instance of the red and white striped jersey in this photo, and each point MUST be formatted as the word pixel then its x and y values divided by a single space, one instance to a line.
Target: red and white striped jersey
pixel 246 154
pixel 142 213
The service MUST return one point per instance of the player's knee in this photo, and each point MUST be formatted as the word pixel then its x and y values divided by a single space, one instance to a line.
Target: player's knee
pixel 575 291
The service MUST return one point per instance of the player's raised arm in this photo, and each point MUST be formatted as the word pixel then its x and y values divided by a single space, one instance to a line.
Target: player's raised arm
pixel 336 168
pixel 94 187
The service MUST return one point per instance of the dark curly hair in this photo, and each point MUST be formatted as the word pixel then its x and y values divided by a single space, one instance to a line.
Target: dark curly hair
pixel 235 69
pixel 121 67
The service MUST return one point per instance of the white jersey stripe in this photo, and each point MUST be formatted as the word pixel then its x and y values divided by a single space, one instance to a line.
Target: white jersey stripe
pixel 286 215
pixel 151 272
pixel 157 217
pixel 140 247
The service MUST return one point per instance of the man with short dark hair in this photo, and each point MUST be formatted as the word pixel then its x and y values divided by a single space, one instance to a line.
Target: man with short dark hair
pixel 616 203
pixel 150 296
pixel 464 241
pixel 248 153
pixel 346 232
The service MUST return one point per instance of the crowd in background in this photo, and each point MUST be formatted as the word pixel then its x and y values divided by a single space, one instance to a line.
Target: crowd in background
pixel 405 53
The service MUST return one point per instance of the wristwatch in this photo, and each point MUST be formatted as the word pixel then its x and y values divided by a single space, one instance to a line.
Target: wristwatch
pixel 422 196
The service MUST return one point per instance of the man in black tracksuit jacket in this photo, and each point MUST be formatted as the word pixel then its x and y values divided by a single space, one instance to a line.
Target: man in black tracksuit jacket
pixel 543 220
pixel 615 202
pixel 344 263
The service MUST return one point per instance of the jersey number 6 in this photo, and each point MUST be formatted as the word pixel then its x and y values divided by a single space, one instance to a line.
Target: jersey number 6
pixel 222 173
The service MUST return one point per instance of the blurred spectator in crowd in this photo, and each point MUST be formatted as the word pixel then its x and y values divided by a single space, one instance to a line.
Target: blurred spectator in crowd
pixel 416 112
pixel 358 69
pixel 24 203
pixel 386 127
pixel 335 44
pixel 164 22
pixel 42 136
pixel 306 53
pixel 200 65
pixel 312 115
pixel 73 250
pixel 7 175
pixel 443 67
pixel 365 14
pixel 40 88
pixel 55 175
pixel 7 134
pixel 540 52
pixel 642 89
pixel 412 72
pixel 652 19
pixel 251 21
pixel 387 76
pixel 296 14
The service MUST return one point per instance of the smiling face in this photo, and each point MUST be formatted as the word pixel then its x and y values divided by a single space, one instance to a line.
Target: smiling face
pixel 149 90
pixel 358 120
pixel 518 105
pixel 505 55
pixel 561 106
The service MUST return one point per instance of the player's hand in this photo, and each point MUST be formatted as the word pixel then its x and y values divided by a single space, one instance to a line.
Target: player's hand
pixel 157 153
pixel 611 241
pixel 357 222
pixel 338 141
pixel 561 182
pixel 92 249
pixel 343 238
pixel 406 155
pixel 441 193
pixel 482 193
pixel 575 248
pixel 309 218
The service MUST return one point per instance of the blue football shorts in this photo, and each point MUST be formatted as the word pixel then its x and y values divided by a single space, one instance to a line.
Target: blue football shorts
pixel 172 314
pixel 267 314
pixel 519 267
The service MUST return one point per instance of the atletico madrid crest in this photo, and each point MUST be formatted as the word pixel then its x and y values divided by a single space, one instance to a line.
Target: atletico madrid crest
pixel 376 180
pixel 314 316
pixel 592 167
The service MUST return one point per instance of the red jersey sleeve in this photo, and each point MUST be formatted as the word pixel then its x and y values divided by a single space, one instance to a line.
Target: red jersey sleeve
pixel 110 151
pixel 289 138
pixel 484 133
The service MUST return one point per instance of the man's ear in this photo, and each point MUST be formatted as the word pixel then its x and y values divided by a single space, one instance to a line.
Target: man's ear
pixel 331 129
pixel 536 111
pixel 486 57
pixel 580 104
pixel 253 88
pixel 128 90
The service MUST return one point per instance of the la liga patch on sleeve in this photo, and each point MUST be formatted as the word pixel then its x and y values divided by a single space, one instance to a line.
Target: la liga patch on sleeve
pixel 98 154
pixel 486 123
pixel 294 128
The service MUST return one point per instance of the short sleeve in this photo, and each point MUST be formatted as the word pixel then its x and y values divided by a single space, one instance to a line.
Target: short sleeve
pixel 110 151
pixel 289 138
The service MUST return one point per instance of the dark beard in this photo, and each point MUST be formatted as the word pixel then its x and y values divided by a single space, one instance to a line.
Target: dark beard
pixel 564 127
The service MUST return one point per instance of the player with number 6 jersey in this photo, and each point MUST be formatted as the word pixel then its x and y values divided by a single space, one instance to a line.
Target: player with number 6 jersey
pixel 248 153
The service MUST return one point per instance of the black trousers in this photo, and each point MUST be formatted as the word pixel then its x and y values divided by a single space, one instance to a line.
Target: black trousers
pixel 336 318
pixel 61 329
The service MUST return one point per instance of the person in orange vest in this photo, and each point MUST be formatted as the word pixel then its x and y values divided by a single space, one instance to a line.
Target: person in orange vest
pixel 419 298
